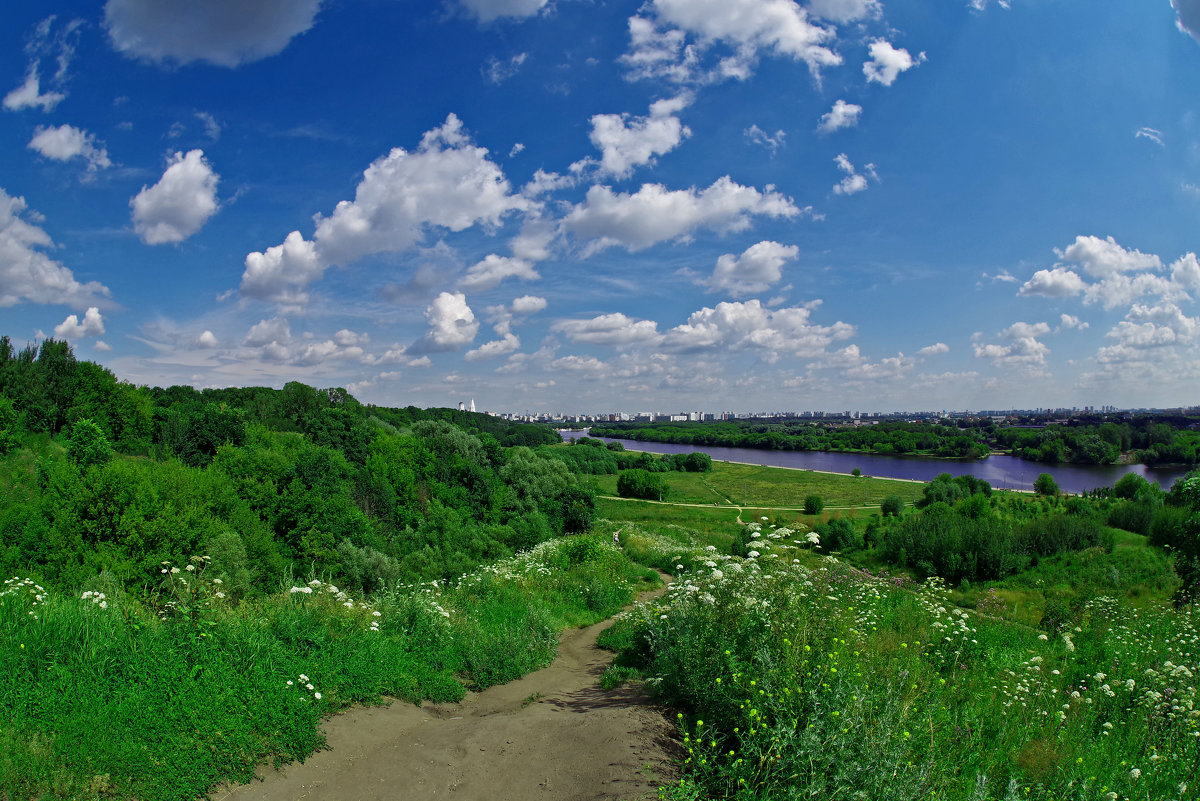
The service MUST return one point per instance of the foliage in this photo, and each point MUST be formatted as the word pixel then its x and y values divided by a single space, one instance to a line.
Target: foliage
pixel 893 506
pixel 813 504
pixel 639 483
pixel 88 446
pixel 1045 484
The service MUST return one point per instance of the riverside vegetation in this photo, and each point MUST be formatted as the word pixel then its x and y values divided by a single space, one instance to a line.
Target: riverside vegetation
pixel 211 573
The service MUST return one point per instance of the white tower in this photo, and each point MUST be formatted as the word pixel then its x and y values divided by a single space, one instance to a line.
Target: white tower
pixel 472 404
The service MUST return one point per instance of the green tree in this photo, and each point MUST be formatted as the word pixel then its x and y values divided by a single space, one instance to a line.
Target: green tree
pixel 638 483
pixel 88 445
pixel 813 505
pixel 893 506
pixel 1045 484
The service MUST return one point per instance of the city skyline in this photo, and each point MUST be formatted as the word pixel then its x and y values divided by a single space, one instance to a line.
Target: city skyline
pixel 555 204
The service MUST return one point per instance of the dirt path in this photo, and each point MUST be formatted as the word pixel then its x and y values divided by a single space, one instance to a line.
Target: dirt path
pixel 553 734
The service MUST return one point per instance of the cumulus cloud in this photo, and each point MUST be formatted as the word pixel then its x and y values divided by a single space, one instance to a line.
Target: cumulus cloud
pixel 1188 19
pixel 1186 272
pixel 751 325
pixel 844 10
pixel 488 10
pixel 656 214
pixel 26 272
pixel 1104 257
pixel 446 182
pixel 180 203
pixel 609 329
pixel 1022 348
pixel 264 332
pixel 67 142
pixel 226 33
pixel 888 62
pixel 854 181
pixel 494 269
pixel 759 266
pixel 842 115
pixel 207 339
pixel 72 328
pixel 935 349
pixel 1071 321
pixel 452 324
pixel 760 137
pixel 627 142
pixel 498 347
pixel 1056 283
pixel 780 27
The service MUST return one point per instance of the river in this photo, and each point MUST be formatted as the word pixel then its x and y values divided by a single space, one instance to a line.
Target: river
pixel 1001 471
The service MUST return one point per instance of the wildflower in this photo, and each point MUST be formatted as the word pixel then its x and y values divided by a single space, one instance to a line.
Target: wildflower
pixel 218 581
pixel 753 554
pixel 317 696
pixel 190 568
pixel 1134 774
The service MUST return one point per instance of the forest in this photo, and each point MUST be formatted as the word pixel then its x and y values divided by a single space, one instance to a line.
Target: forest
pixel 1147 439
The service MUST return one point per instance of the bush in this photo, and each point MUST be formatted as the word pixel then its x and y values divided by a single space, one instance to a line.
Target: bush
pixel 1045 484
pixel 638 483
pixel 893 506
pixel 813 505
pixel 88 445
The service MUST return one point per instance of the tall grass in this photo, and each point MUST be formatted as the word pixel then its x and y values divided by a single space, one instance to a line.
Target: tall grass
pixel 802 678
pixel 162 697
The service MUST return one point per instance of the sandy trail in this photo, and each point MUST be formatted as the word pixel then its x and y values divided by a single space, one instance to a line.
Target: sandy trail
pixel 553 734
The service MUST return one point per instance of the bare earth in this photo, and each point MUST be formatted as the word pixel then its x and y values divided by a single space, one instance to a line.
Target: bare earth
pixel 553 734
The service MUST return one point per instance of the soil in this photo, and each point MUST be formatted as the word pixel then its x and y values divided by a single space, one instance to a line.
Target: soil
pixel 553 734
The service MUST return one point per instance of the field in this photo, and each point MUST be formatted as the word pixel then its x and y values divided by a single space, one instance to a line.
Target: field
pixel 753 486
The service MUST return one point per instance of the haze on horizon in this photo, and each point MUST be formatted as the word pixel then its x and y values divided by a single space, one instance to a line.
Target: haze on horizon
pixel 613 205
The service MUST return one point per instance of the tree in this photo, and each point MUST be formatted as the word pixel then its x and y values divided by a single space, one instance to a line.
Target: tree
pixel 856 472
pixel 813 505
pixel 88 445
pixel 638 483
pixel 1045 484
pixel 893 506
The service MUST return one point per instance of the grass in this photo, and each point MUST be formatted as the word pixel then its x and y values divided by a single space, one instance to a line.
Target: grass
pixel 754 486
pixel 165 696
pixel 818 680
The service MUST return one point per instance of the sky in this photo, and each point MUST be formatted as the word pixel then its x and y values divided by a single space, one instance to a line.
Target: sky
pixel 585 206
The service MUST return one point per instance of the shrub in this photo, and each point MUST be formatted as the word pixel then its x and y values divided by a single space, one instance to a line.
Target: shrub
pixel 88 445
pixel 813 505
pixel 1045 484
pixel 893 506
pixel 638 483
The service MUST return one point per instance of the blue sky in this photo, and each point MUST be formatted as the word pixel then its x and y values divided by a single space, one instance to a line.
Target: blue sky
pixel 584 206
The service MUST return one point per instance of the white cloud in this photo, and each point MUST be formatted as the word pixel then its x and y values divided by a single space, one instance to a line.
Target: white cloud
pixel 264 332
pixel 67 142
pixel 497 71
pixel 777 26
pixel 446 182
pixel 844 10
pixel 854 181
pixel 516 148
pixel 660 54
pixel 528 304
pixel 887 62
pixel 656 214
pixel 934 349
pixel 26 272
pixel 488 10
pixel 760 137
pixel 759 266
pixel 227 33
pixel 494 269
pixel 842 115
pixel 1104 257
pixel 347 338
pixel 1121 290
pixel 452 324
pixel 180 203
pixel 1186 272
pixel 1024 349
pixel 1057 283
pixel 72 328
pixel 503 318
pixel 1071 321
pixel 102 346
pixel 207 339
pixel 212 128
pixel 499 347
pixel 1188 20
pixel 580 364
pixel 627 142
pixel 30 95
pixel 1152 134
pixel 609 329
pixel 751 325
